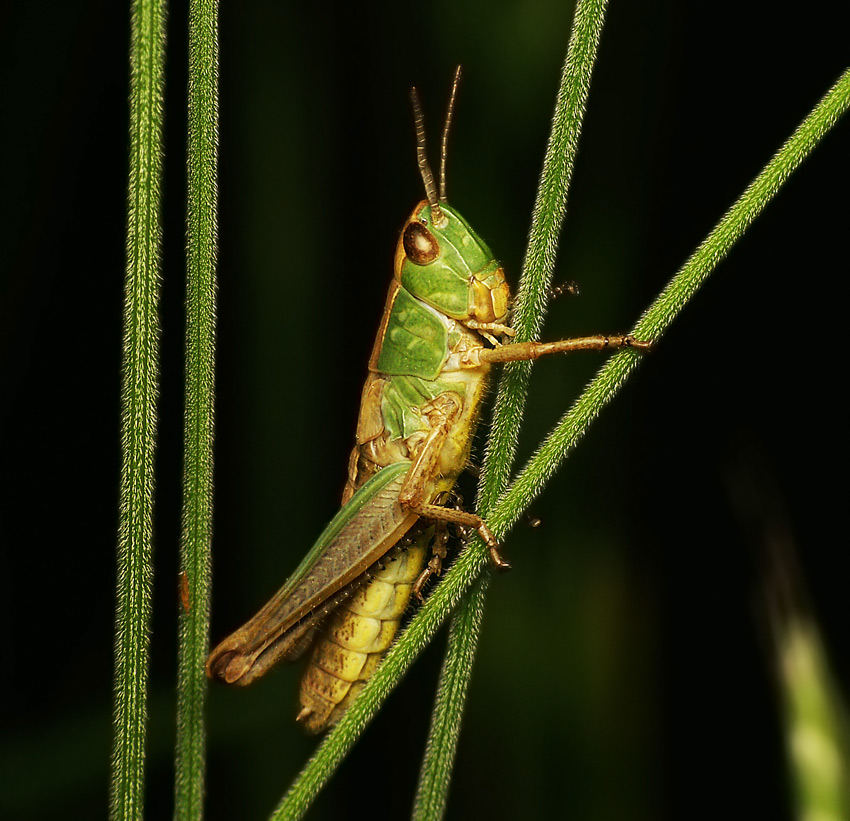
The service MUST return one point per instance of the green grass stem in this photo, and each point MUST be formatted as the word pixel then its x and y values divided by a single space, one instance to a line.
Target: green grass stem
pixel 140 372
pixel 548 215
pixel 196 540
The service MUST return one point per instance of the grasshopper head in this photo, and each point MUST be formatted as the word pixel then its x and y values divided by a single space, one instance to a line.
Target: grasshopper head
pixel 449 267
pixel 439 258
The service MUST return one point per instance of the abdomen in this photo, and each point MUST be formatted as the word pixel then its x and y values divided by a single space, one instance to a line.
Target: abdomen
pixel 358 634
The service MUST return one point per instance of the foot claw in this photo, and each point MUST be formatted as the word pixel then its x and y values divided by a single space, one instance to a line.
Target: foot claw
pixel 499 562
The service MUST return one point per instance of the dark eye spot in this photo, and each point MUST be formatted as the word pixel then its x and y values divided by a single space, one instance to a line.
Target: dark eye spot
pixel 420 245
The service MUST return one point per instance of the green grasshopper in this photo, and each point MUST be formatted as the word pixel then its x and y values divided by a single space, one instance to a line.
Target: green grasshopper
pixel 443 327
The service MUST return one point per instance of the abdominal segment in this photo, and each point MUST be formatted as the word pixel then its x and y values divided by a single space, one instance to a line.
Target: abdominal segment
pixel 358 633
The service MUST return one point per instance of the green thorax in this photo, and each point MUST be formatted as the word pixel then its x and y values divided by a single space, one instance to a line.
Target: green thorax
pixel 415 346
pixel 434 284
pixel 415 339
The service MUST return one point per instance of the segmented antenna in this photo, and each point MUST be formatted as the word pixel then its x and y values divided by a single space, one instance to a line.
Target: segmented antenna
pixel 445 143
pixel 424 168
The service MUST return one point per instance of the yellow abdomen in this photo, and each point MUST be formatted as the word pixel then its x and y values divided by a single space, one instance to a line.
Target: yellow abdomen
pixel 356 637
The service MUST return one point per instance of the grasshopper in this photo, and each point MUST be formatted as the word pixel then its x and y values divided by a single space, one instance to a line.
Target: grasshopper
pixel 444 326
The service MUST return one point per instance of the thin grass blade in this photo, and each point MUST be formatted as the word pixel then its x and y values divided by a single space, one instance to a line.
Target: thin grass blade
pixel 196 540
pixel 436 771
pixel 140 374
pixel 529 309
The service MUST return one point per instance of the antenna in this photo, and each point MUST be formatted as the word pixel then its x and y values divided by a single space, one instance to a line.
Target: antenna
pixel 445 143
pixel 424 168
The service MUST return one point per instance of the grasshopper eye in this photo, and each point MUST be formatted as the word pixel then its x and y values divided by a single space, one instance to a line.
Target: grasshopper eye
pixel 419 244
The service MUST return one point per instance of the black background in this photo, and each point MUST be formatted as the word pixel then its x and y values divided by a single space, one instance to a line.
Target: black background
pixel 625 668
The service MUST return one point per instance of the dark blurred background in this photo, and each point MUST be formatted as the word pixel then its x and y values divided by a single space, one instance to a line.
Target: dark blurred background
pixel 624 671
